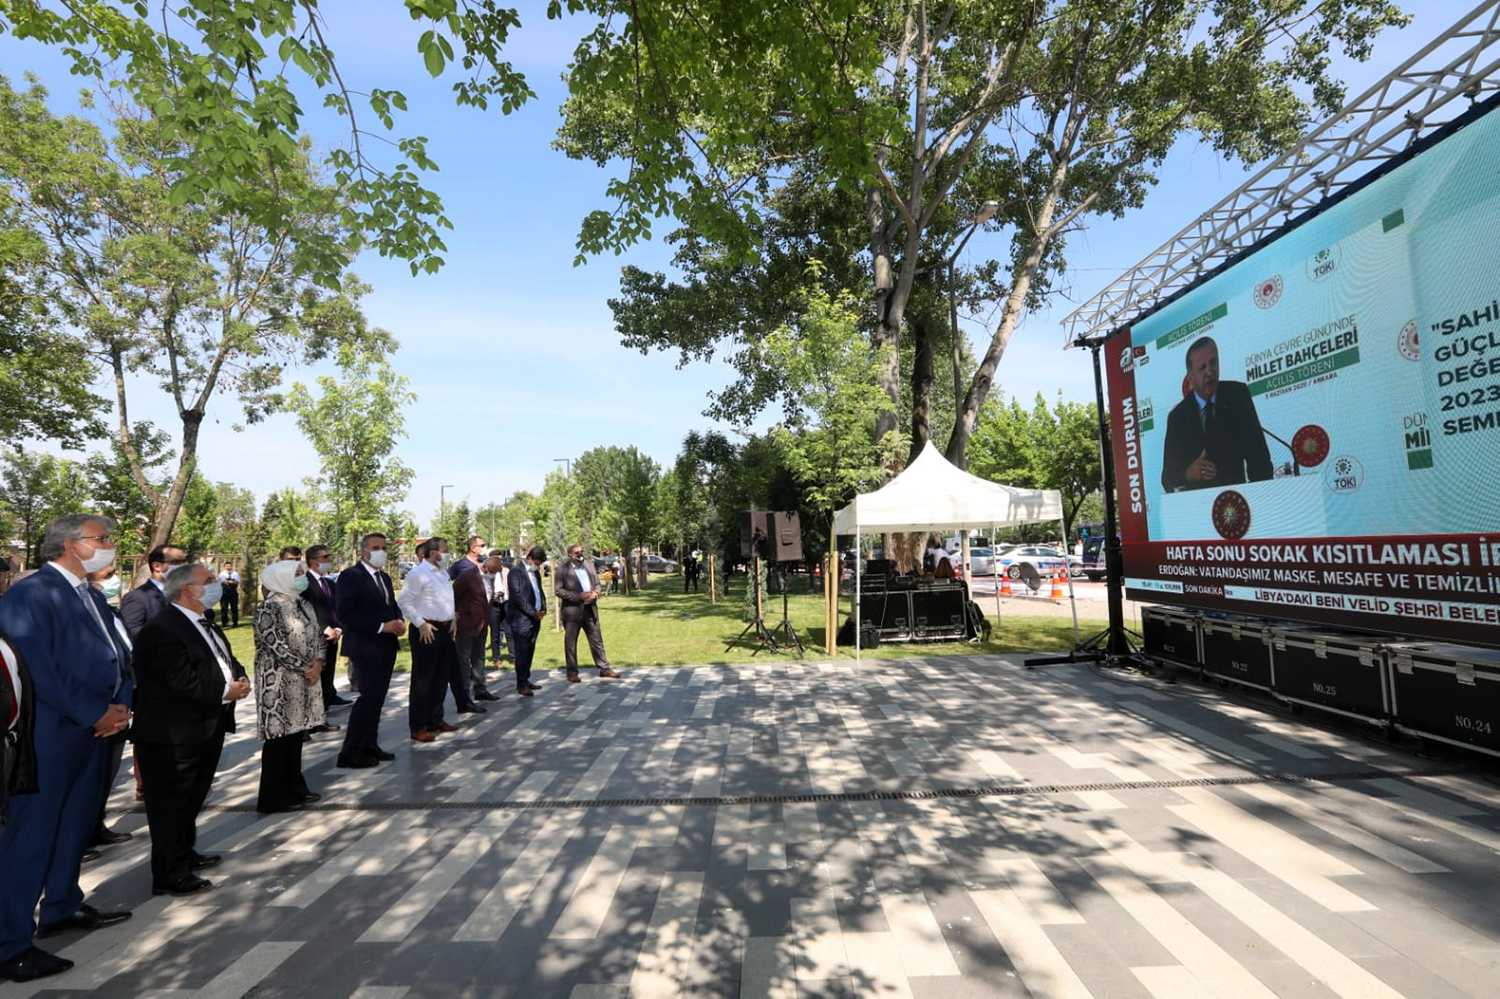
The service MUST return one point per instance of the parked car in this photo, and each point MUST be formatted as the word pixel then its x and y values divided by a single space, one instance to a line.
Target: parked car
pixel 1093 558
pixel 655 563
pixel 981 562
pixel 405 567
pixel 1042 560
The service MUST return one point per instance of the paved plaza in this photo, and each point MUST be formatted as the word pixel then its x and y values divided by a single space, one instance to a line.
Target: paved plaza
pixel 955 827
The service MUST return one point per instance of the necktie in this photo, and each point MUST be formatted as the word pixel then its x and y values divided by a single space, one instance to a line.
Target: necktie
pixel 328 600
pixel 114 658
pixel 1208 418
pixel 88 601
pixel 221 649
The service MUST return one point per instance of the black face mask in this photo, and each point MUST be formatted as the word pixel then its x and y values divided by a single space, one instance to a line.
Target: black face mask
pixel 578 557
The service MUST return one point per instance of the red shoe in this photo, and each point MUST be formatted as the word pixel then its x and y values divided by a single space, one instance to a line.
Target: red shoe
pixel 445 727
pixel 422 735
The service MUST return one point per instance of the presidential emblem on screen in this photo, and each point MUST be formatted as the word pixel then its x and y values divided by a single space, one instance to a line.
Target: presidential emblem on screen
pixel 1344 475
pixel 1407 343
pixel 1231 515
pixel 1310 446
pixel 1268 292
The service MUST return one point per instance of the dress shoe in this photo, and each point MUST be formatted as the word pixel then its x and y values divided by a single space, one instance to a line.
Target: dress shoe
pixel 310 797
pixel 574 678
pixel 203 861
pixel 485 695
pixel 524 692
pixel 533 686
pixel 445 727
pixel 86 918
pixel 609 674
pixel 354 762
pixel 188 885
pixel 108 837
pixel 473 709
pixel 89 856
pixel 339 702
pixel 422 735
pixel 379 754
pixel 325 727
pixel 33 962
pixel 291 806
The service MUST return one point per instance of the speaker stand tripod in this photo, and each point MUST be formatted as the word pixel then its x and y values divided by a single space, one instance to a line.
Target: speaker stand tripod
pixel 763 637
pixel 784 629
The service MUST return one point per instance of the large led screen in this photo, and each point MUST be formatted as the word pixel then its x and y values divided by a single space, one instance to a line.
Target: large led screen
pixel 1313 432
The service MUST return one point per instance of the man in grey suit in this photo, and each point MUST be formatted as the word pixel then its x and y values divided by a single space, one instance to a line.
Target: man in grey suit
pixel 576 585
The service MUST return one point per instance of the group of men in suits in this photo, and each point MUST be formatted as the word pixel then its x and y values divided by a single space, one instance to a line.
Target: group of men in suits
pixel 76 678
pixel 61 634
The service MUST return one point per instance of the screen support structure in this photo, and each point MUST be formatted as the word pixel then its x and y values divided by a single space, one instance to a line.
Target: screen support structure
pixel 1114 641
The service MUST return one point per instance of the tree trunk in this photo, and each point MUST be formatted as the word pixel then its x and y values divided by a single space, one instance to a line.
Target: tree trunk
pixel 921 388
pixel 169 506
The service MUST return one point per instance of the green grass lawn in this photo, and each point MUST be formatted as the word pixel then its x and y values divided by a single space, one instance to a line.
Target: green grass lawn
pixel 662 626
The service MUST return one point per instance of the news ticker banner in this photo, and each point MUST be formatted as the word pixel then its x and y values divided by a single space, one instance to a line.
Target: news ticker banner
pixel 1443 586
pixel 1364 345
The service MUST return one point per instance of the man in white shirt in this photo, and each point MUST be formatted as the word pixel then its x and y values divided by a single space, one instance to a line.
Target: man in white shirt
pixel 498 585
pixel 187 683
pixel 426 600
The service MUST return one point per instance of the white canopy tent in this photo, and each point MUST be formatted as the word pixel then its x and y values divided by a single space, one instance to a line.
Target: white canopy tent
pixel 932 494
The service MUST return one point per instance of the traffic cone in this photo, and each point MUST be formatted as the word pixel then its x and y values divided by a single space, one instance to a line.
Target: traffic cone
pixel 1057 586
pixel 1005 585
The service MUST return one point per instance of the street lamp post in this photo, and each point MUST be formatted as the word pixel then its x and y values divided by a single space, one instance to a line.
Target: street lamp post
pixel 567 464
pixel 443 505
pixel 986 212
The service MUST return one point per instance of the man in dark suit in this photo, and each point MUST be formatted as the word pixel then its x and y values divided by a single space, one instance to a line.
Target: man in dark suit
pixel 576 585
pixel 137 607
pixel 524 610
pixel 471 625
pixel 62 628
pixel 146 601
pixel 187 681
pixel 365 602
pixel 320 594
pixel 1213 435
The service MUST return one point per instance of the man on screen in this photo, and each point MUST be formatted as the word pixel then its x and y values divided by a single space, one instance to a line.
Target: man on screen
pixel 1213 435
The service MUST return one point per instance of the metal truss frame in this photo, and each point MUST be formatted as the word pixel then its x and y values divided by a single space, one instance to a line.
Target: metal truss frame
pixel 1431 89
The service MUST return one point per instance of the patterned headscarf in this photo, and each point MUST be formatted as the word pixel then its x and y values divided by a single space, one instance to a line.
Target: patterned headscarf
pixel 278 577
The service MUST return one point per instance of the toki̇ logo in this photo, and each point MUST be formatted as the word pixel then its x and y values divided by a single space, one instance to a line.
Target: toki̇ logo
pixel 1323 263
pixel 1344 474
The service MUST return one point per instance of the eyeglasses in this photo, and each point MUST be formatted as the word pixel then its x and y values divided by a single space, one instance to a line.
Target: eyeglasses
pixel 94 537
pixel 181 561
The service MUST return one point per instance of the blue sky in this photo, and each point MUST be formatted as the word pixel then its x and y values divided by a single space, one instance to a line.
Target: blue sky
pixel 511 348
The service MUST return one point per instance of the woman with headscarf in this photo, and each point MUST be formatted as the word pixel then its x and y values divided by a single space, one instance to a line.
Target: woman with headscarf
pixel 289 700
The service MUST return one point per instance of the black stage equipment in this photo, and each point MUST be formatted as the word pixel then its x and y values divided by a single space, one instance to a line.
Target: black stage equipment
pixel 1114 641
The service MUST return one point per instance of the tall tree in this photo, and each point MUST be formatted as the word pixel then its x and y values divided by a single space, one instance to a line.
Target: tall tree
pixel 34 488
pixel 112 480
pixel 1049 447
pixel 198 298
pixel 354 424
pixel 1059 110
pixel 44 378
pixel 614 492
pixel 832 442
pixel 197 531
pixel 224 79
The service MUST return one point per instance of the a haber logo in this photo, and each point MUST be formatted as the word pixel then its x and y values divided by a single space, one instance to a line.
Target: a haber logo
pixel 1344 475
pixel 1127 361
pixel 1268 292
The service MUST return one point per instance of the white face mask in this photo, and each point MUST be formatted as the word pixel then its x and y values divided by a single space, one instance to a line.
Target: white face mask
pixel 101 558
pixel 377 559
pixel 322 568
